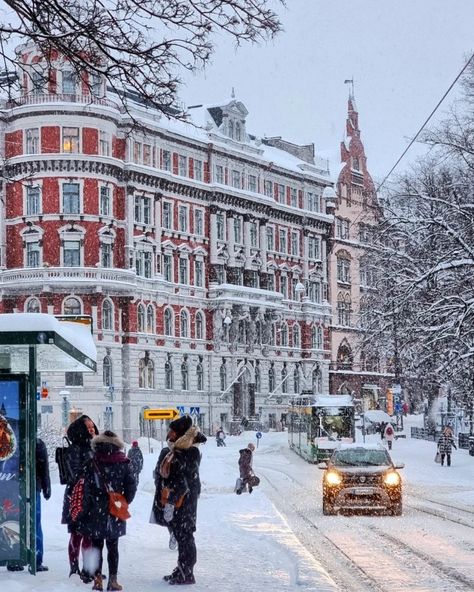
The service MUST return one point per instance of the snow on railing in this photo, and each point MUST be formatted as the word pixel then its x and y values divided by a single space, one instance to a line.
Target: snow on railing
pixel 39 99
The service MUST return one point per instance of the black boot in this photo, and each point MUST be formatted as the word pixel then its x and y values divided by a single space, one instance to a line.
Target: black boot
pixel 74 568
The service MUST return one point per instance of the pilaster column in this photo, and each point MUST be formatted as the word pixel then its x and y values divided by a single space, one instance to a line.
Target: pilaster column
pixel 158 197
pixel 230 239
pixel 213 235
pixel 129 247
pixel 305 254
pixel 248 252
pixel 263 244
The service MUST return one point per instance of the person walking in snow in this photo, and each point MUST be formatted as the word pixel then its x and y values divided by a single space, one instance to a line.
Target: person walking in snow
pixel 177 490
pixel 247 476
pixel 108 467
pixel 43 485
pixel 389 435
pixel 136 459
pixel 445 445
pixel 220 437
pixel 80 433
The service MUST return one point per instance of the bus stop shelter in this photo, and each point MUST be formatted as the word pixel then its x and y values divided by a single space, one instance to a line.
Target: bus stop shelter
pixel 30 343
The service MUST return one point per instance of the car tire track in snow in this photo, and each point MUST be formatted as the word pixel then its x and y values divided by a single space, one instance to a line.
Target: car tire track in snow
pixel 451 513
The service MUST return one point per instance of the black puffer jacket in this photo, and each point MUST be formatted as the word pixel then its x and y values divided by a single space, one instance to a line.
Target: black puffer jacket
pixel 114 468
pixel 43 481
pixel 79 454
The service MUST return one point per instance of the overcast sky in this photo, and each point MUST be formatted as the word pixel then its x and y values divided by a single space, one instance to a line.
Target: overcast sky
pixel 403 55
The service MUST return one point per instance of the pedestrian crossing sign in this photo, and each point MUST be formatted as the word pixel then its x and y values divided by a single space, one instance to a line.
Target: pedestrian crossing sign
pixel 194 410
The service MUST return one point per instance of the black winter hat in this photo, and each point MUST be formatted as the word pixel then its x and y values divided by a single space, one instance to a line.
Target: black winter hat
pixel 181 425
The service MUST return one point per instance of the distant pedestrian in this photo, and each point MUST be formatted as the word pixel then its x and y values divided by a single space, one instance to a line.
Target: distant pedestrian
pixel 445 445
pixel 405 408
pixel 220 437
pixel 80 433
pixel 43 485
pixel 177 490
pixel 247 477
pixel 135 456
pixel 389 435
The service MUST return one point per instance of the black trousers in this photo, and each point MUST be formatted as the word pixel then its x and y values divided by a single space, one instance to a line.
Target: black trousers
pixel 112 555
pixel 448 458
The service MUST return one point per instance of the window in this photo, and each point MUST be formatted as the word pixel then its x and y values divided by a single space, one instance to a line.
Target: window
pixel 32 141
pixel 104 144
pixel 252 278
pixel 184 376
pixel 296 381
pixel 33 254
pixel 107 316
pixel 69 82
pixel 236 179
pixel 295 243
pixel 317 381
pixel 33 305
pixel 219 174
pixel 268 188
pixel 344 356
pixel 73 379
pixel 168 267
pixel 284 335
pixel 344 310
pixel 198 222
pixel 96 85
pixel 271 282
pixel 253 183
pixel 198 167
pixel 147 154
pixel 294 197
pixel 355 163
pixel 71 198
pixel 107 371
pixel 72 253
pixel 150 319
pixel 283 247
pixel 32 200
pixel 104 205
pixel 168 374
pixel 183 218
pixel 258 378
pixel 141 318
pixel 270 238
pixel 199 326
pixel 314 248
pixel 342 228
pixel 238 131
pixel 143 263
pixel 343 270
pixel 146 374
pixel 284 377
pixel 296 336
pixel 183 271
pixel 317 337
pixel 166 160
pixel 37 83
pixel 142 209
pixel 312 202
pixel 200 376
pixel 168 322
pixel 70 139
pixel 199 273
pixel 167 215
pixel 183 324
pixel 314 291
pixel 281 193
pixel 72 306
pixel 271 379
pixel 253 234
pixel 137 152
pixel 182 166
pixel 106 255
pixel 238 230
pixel 364 233
pixel 223 376
pixel 220 226
pixel 284 285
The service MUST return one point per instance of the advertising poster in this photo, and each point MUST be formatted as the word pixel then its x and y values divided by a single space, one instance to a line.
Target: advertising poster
pixel 9 470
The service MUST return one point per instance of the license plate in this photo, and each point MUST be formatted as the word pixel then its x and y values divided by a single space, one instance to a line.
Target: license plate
pixel 363 491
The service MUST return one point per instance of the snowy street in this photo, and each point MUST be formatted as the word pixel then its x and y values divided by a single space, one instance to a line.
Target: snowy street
pixel 277 538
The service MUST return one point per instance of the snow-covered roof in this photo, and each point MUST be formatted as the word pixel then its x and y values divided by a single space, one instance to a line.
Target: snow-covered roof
pixel 334 400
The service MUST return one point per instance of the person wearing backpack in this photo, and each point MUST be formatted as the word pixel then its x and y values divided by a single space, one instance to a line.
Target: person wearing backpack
pixel 79 433
pixel 389 435
pixel 178 487
pixel 108 470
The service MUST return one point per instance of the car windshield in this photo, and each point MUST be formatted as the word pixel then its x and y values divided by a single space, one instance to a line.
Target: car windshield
pixel 360 457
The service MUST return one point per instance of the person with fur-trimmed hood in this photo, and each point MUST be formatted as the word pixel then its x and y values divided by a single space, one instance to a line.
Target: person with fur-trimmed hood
pixel 80 433
pixel 109 466
pixel 177 490
pixel 247 477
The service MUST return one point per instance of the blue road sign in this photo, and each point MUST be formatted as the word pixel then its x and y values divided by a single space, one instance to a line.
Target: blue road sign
pixel 258 435
pixel 194 410
pixel 180 408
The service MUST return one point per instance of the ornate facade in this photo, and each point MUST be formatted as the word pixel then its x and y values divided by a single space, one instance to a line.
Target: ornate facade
pixel 199 252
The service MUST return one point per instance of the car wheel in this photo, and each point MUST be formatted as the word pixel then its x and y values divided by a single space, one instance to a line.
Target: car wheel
pixel 397 509
pixel 328 509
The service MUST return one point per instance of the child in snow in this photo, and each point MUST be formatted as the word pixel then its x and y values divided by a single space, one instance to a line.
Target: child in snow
pixel 389 435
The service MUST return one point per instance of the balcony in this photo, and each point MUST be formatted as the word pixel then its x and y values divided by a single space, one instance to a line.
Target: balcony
pixel 43 99
pixel 233 294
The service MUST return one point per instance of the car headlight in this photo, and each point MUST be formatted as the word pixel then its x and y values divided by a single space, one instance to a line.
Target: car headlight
pixel 392 478
pixel 332 478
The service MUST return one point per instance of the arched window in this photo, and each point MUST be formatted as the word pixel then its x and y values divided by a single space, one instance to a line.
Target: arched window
pixel 258 379
pixel 284 335
pixel 296 381
pixel 284 376
pixel 33 305
pixel 150 319
pixel 296 336
pixel 183 323
pixel 344 356
pixel 168 374
pixel 72 306
pixel 141 318
pixel 151 374
pixel 168 321
pixel 317 381
pixel 271 379
pixel 200 376
pixel 107 371
pixel 141 373
pixel 223 376
pixel 199 326
pixel 107 316
pixel 344 309
pixel 316 337
pixel 146 373
pixel 184 376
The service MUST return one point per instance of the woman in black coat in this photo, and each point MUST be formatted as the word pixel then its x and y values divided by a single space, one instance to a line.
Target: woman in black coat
pixel 80 433
pixel 179 510
pixel 109 466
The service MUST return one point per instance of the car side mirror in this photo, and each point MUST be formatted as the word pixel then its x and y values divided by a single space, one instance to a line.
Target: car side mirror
pixel 323 465
pixel 400 466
